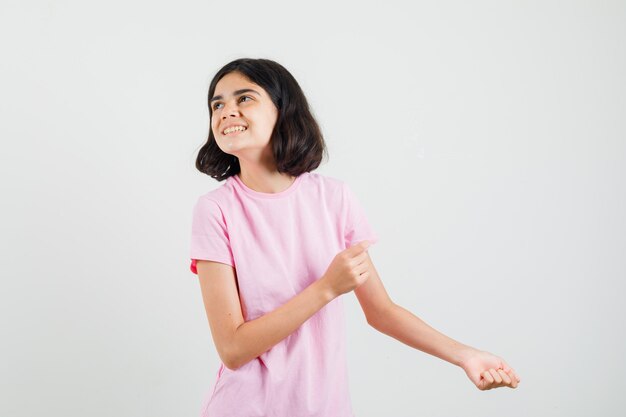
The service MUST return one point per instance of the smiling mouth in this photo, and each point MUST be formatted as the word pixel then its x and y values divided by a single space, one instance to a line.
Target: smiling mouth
pixel 233 129
pixel 235 132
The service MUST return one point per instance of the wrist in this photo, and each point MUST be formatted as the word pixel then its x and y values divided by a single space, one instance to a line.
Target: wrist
pixel 464 354
pixel 325 289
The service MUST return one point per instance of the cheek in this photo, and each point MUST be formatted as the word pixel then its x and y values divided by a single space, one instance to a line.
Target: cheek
pixel 214 129
pixel 269 121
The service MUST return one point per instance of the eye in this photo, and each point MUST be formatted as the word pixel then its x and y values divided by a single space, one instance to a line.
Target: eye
pixel 218 103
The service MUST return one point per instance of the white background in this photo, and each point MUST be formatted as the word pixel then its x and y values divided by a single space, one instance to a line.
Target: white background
pixel 485 140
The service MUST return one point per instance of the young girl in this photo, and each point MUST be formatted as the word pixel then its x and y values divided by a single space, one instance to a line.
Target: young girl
pixel 276 246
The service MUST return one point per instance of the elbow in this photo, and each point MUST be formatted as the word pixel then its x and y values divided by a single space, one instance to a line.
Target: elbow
pixel 232 358
pixel 379 317
pixel 230 365
pixel 374 324
pixel 234 355
pixel 231 361
pixel 229 357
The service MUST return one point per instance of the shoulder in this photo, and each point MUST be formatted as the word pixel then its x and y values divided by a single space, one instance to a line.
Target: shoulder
pixel 219 196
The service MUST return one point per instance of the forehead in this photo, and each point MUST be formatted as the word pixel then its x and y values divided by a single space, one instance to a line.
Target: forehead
pixel 234 81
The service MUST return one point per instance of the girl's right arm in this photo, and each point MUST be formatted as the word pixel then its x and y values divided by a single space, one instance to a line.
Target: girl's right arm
pixel 238 341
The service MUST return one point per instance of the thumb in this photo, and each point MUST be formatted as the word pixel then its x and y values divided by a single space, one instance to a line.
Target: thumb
pixel 361 246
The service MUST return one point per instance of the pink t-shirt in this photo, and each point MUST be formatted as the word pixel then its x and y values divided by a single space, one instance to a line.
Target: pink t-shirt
pixel 279 244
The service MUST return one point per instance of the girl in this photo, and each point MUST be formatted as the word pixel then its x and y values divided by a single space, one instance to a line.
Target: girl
pixel 276 246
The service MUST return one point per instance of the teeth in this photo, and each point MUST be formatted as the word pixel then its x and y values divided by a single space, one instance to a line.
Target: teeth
pixel 233 129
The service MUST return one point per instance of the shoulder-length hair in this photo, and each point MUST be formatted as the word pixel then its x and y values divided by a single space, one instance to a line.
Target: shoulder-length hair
pixel 297 142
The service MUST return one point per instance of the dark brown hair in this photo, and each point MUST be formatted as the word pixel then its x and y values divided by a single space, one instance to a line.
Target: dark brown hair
pixel 297 142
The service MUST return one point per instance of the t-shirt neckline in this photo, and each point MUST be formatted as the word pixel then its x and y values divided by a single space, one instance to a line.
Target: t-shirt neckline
pixel 259 194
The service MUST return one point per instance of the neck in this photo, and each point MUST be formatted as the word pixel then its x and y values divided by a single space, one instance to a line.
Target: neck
pixel 265 180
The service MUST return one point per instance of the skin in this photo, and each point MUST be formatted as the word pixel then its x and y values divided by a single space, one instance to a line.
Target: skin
pixel 258 172
pixel 252 147
pixel 498 373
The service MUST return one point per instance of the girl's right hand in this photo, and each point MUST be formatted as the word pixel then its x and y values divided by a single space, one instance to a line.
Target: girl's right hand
pixel 348 269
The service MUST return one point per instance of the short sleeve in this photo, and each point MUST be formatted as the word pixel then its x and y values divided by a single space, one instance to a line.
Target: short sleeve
pixel 357 227
pixel 209 235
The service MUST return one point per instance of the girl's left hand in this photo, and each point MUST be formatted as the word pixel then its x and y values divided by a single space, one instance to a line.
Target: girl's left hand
pixel 488 371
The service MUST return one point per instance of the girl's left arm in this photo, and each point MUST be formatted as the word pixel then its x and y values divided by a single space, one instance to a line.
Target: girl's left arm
pixel 484 369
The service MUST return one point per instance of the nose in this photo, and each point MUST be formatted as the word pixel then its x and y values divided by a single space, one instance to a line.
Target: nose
pixel 230 109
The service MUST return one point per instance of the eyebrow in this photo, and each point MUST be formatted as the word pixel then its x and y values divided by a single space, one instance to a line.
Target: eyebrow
pixel 235 93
